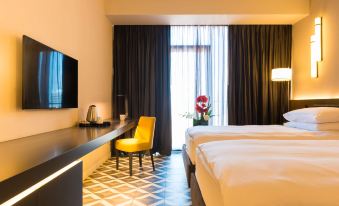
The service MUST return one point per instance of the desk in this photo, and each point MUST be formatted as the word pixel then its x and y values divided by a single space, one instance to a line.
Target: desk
pixel 25 161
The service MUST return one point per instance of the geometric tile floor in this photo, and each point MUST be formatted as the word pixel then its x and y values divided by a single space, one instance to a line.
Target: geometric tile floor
pixel 165 186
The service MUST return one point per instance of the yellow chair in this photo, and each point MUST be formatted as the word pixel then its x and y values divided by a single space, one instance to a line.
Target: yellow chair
pixel 142 141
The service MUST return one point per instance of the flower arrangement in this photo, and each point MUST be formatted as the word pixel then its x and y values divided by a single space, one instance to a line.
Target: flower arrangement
pixel 203 108
pixel 203 111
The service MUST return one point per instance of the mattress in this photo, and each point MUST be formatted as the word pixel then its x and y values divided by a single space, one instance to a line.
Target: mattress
pixel 208 185
pixel 270 172
pixel 202 134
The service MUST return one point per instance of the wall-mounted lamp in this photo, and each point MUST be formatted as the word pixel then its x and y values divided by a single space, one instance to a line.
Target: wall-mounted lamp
pixel 316 47
pixel 281 74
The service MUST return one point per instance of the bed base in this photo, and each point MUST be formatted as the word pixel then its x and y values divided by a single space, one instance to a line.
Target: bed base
pixel 189 167
pixel 196 195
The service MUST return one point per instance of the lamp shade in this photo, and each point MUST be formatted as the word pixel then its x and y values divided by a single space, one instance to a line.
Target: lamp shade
pixel 281 74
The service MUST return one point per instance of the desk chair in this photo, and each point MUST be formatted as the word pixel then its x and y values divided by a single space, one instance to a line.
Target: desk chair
pixel 142 141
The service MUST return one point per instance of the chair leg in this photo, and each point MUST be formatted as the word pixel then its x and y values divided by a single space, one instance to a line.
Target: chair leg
pixel 152 160
pixel 130 163
pixel 140 160
pixel 117 159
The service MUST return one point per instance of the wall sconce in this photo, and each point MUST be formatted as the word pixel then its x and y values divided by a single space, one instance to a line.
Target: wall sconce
pixel 316 47
pixel 281 74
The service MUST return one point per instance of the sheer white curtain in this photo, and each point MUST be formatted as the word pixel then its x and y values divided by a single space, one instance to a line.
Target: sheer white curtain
pixel 198 67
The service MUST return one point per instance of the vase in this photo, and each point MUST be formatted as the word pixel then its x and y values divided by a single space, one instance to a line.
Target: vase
pixel 200 122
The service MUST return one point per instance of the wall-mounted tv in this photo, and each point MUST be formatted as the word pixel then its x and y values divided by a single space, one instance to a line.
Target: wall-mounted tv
pixel 49 77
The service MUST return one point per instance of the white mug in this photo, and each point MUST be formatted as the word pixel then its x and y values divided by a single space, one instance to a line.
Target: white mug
pixel 99 120
pixel 122 117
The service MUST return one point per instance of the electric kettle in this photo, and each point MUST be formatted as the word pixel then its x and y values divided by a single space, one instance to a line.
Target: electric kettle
pixel 92 114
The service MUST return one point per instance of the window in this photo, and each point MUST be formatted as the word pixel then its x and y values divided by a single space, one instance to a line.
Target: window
pixel 198 67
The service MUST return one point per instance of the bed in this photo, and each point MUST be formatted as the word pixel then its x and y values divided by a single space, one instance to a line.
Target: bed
pixel 202 134
pixel 270 172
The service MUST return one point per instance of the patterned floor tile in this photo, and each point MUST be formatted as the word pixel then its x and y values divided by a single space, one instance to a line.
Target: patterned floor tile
pixel 165 186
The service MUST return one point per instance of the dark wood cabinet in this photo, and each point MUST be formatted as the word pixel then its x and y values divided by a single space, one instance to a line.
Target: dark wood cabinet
pixel 64 190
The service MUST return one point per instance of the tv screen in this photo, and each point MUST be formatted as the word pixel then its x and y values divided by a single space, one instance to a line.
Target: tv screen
pixel 49 77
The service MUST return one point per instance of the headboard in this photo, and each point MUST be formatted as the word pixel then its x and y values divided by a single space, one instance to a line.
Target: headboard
pixel 298 104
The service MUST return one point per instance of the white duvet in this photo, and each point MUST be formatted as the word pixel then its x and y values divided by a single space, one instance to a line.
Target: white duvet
pixel 274 172
pixel 202 134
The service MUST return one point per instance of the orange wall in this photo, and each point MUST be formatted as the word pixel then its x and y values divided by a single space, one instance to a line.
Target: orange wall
pixel 78 28
pixel 327 84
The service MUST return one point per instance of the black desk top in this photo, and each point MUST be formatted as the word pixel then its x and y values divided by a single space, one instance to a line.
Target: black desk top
pixel 34 157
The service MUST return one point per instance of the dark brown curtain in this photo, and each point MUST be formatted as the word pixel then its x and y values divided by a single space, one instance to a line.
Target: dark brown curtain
pixel 142 78
pixel 254 50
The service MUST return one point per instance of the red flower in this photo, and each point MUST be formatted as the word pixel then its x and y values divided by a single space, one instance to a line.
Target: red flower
pixel 199 109
pixel 201 104
pixel 202 98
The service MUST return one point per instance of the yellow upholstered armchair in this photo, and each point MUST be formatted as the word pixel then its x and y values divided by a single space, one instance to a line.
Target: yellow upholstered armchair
pixel 142 141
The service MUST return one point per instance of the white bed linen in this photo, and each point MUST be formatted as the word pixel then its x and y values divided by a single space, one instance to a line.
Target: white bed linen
pixel 272 172
pixel 202 134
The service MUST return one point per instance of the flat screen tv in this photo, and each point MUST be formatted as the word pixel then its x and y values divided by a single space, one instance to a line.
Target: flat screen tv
pixel 49 77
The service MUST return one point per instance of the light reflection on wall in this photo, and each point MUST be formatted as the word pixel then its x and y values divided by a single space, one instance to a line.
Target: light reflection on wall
pixel 305 97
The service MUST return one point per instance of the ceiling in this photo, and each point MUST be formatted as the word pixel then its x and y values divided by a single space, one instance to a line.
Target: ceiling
pixel 203 19
pixel 208 12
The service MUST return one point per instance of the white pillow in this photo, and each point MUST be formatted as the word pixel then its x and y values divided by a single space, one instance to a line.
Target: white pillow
pixel 314 127
pixel 313 115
